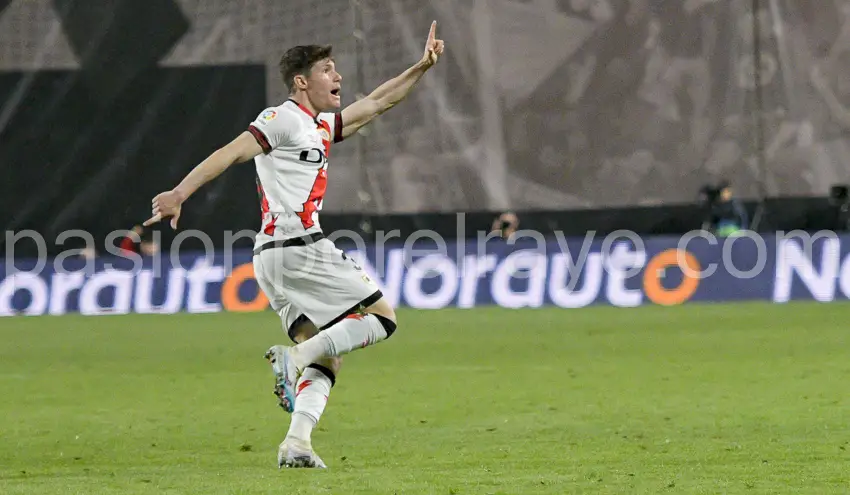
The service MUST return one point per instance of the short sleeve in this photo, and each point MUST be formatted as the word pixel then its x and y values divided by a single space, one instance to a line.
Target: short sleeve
pixel 334 121
pixel 272 128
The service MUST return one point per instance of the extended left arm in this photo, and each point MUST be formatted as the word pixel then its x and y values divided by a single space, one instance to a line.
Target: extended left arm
pixel 387 95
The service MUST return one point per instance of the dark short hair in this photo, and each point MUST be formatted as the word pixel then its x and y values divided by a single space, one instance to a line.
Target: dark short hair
pixel 298 60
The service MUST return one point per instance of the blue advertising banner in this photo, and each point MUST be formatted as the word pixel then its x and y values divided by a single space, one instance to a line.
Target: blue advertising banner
pixel 567 273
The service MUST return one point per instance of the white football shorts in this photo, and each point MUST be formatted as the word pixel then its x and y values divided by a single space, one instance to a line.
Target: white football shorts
pixel 314 280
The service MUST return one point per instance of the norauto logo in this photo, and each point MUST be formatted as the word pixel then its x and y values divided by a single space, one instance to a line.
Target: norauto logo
pixel 524 278
pixel 624 277
pixel 203 288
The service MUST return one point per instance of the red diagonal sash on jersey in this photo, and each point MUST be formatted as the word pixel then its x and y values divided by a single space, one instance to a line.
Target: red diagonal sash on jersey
pixel 320 185
pixel 264 207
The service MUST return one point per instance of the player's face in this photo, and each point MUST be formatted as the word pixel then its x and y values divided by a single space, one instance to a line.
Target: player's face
pixel 324 86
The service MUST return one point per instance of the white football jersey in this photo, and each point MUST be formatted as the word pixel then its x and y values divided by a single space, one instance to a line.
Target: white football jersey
pixel 292 171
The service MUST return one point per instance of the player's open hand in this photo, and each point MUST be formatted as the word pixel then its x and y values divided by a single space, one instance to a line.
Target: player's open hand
pixel 165 205
pixel 433 47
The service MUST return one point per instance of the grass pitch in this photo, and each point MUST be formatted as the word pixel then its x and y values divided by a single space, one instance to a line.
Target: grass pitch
pixel 696 399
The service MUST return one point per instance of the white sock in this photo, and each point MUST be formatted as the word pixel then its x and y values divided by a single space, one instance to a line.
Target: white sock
pixel 312 392
pixel 349 334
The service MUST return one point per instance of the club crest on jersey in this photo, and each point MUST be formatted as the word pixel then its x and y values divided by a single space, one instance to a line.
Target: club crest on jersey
pixel 268 115
pixel 325 134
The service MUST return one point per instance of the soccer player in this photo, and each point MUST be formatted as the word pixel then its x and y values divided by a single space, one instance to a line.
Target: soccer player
pixel 328 306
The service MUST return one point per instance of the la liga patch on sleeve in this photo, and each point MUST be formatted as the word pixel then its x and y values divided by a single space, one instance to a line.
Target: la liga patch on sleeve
pixel 268 115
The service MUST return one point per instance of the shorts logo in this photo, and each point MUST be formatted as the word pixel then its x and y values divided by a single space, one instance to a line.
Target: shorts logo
pixel 268 115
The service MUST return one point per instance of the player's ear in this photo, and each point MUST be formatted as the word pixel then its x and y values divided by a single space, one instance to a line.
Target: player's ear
pixel 301 82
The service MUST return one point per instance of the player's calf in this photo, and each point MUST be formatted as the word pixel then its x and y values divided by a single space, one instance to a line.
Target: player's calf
pixel 305 331
pixel 357 330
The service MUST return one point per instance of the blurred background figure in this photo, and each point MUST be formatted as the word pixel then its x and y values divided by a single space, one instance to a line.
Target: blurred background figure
pixel 145 246
pixel 726 215
pixel 505 224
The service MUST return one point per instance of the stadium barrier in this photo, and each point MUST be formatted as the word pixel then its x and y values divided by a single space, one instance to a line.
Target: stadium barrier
pixel 568 273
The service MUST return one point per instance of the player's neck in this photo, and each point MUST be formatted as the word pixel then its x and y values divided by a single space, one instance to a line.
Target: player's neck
pixel 304 102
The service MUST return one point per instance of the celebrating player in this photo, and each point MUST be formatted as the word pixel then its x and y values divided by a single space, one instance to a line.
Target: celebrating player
pixel 325 302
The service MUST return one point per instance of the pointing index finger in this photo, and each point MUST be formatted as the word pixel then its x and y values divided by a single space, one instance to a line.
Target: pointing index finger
pixel 152 220
pixel 433 33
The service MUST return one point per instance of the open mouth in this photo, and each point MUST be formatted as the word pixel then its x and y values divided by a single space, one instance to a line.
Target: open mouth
pixel 335 92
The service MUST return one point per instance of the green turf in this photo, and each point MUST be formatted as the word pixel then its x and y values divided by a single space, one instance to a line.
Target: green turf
pixel 698 399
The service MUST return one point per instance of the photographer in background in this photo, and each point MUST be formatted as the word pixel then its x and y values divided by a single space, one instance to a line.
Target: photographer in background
pixel 505 224
pixel 725 215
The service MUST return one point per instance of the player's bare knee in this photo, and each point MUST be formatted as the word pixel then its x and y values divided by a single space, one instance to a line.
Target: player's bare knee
pixel 385 313
pixel 383 308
